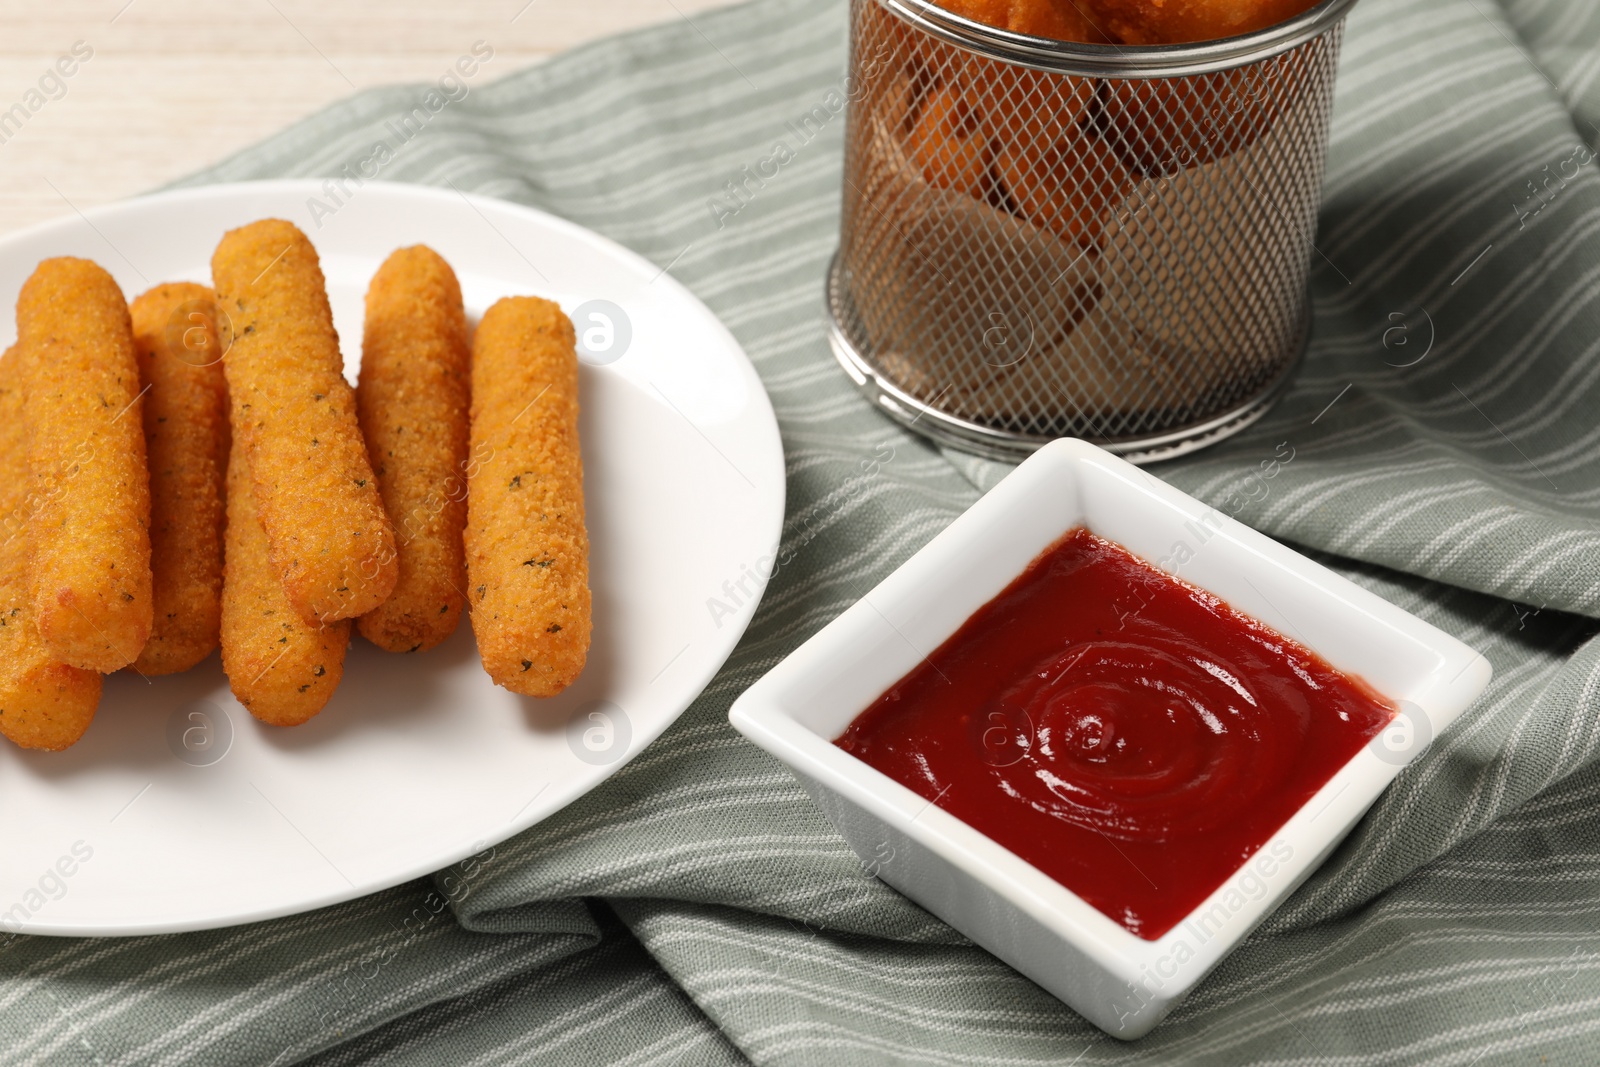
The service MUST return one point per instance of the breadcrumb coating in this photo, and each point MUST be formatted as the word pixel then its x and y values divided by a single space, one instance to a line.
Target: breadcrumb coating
pixel 527 547
pixel 89 562
pixel 1068 186
pixel 412 401
pixel 1184 21
pixel 1058 20
pixel 43 702
pixel 186 442
pixel 295 415
pixel 949 146
pixel 280 667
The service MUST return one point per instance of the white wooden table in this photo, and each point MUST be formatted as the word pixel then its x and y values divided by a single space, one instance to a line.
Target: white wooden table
pixel 172 85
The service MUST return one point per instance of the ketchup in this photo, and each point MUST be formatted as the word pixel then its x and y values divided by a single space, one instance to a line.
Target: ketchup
pixel 1129 735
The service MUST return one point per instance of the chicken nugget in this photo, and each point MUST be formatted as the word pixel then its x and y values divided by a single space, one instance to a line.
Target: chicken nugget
pixel 295 415
pixel 1056 20
pixel 1185 21
pixel 948 145
pixel 280 667
pixel 1018 97
pixel 412 400
pixel 1164 125
pixel 527 547
pixel 186 442
pixel 43 702
pixel 1068 184
pixel 89 549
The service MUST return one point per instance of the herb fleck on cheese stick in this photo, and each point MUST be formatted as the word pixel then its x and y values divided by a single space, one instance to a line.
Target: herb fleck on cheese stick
pixel 280 667
pixel 186 442
pixel 295 416
pixel 43 702
pixel 412 402
pixel 527 548
pixel 90 543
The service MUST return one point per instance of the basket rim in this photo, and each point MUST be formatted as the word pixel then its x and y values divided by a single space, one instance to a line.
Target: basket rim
pixel 1119 61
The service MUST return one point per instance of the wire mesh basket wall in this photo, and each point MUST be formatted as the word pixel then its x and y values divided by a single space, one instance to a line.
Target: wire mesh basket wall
pixel 1044 239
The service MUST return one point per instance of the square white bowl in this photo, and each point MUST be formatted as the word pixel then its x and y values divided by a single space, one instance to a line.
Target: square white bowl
pixel 1121 982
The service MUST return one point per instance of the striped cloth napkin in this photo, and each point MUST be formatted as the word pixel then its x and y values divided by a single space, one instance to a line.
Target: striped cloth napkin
pixel 698 910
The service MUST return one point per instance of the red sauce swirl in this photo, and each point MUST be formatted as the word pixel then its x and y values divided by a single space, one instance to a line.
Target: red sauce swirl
pixel 1131 736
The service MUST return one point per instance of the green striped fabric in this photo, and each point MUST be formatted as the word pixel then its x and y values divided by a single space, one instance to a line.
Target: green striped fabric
pixel 698 910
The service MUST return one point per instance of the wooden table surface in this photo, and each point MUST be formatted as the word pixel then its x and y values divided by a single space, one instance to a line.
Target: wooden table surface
pixel 158 88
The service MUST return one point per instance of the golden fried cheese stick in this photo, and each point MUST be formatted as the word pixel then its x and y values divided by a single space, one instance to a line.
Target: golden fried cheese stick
pixel 280 667
pixel 89 553
pixel 295 415
pixel 412 400
pixel 43 703
pixel 527 548
pixel 186 442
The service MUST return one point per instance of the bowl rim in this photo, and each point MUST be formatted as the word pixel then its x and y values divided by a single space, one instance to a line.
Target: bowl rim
pixel 762 715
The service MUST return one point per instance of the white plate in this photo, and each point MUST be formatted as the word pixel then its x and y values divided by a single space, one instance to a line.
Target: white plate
pixel 417 761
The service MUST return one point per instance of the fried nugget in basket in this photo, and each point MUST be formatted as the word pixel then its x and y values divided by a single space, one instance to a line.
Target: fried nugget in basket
pixel 1185 21
pixel 43 702
pixel 992 87
pixel 295 415
pixel 527 545
pixel 1057 20
pixel 280 667
pixel 949 146
pixel 89 562
pixel 412 400
pixel 186 440
pixel 1067 184
pixel 970 105
pixel 1163 125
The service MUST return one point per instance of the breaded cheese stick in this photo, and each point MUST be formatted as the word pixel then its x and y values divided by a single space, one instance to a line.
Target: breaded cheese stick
pixel 186 443
pixel 412 400
pixel 527 547
pixel 43 702
pixel 89 553
pixel 295 415
pixel 280 667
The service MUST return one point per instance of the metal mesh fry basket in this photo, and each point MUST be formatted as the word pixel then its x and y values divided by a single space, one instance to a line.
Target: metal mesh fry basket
pixel 1043 239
